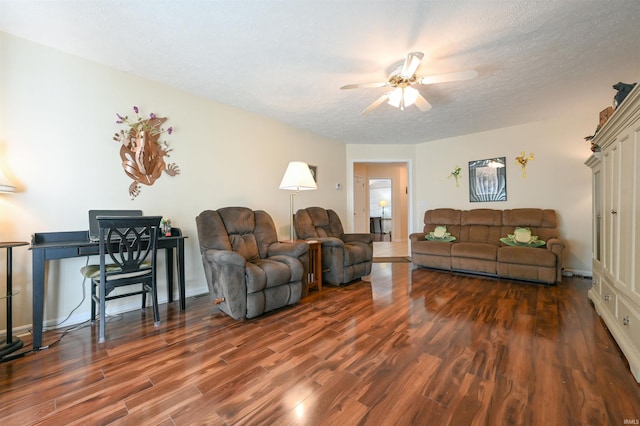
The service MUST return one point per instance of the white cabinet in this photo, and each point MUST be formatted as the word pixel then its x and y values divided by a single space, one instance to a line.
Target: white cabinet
pixel 616 227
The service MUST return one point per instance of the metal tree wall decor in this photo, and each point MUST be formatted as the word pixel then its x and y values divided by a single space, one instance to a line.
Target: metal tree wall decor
pixel 522 160
pixel 142 152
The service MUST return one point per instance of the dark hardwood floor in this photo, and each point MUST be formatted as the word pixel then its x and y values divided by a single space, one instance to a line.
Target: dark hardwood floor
pixel 409 347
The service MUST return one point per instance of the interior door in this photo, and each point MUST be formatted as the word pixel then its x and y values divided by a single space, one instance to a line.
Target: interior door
pixel 360 217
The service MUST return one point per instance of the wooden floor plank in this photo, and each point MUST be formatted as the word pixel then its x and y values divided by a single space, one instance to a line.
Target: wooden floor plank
pixel 405 346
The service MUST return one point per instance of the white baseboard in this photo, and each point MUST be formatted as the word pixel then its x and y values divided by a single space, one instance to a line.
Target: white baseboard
pixel 576 273
pixel 79 318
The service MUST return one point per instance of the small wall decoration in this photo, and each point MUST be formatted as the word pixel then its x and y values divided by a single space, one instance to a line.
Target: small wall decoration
pixel 455 174
pixel 142 152
pixel 522 160
pixel 488 180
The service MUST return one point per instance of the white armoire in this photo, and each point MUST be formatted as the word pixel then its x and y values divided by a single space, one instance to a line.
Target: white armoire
pixel 616 227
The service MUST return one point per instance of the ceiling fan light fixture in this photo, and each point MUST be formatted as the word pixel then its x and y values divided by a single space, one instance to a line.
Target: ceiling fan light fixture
pixel 403 97
pixel 402 78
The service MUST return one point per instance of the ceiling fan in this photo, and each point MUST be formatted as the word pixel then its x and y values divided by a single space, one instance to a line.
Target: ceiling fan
pixel 401 80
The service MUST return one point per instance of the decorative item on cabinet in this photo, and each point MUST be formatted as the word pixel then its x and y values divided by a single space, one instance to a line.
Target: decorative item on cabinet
pixel 604 115
pixel 623 90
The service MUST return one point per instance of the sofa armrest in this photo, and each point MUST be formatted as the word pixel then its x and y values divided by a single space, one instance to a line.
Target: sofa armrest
pixel 288 248
pixel 225 274
pixel 417 236
pixel 329 241
pixel 362 238
pixel 557 246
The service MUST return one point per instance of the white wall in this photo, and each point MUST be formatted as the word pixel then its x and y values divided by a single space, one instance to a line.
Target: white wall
pixel 56 126
pixel 556 179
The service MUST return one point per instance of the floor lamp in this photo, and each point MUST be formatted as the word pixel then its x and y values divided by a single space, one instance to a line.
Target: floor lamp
pixel 296 178
pixel 383 204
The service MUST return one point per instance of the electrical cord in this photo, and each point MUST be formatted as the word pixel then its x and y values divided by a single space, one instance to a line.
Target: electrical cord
pixel 64 332
pixel 78 326
pixel 84 297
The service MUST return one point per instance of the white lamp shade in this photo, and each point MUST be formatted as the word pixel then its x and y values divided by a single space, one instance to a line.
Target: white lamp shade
pixel 5 185
pixel 298 177
pixel 382 203
pixel 408 93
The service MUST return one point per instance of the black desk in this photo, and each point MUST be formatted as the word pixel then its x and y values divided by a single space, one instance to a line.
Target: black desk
pixel 62 245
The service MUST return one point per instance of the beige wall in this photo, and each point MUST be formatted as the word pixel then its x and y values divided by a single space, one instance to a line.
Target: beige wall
pixel 56 126
pixel 557 178
pixel 57 118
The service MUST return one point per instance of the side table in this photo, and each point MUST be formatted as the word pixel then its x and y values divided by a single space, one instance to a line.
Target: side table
pixel 11 345
pixel 315 265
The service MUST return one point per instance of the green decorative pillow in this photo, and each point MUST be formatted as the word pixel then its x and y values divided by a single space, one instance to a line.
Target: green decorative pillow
pixel 522 237
pixel 440 234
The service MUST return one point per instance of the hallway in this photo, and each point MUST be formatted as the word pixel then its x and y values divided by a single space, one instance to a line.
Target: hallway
pixel 391 248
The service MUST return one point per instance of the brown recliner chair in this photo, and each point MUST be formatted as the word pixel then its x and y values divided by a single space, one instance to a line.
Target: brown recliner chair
pixel 248 271
pixel 345 257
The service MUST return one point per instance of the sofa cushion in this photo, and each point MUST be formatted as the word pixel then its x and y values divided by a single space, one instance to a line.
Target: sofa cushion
pixel 481 226
pixel 527 256
pixel 435 248
pixel 355 252
pixel 530 217
pixel 541 222
pixel 438 217
pixel 317 222
pixel 474 250
pixel 265 273
pixel 486 217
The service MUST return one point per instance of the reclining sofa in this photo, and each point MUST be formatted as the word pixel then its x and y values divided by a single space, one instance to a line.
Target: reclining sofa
pixel 481 241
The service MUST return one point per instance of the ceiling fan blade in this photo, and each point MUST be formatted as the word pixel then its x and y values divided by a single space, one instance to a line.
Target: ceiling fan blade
pixel 376 104
pixel 411 64
pixel 444 78
pixel 363 85
pixel 422 104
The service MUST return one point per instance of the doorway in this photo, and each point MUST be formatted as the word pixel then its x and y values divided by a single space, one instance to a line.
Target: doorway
pixel 398 207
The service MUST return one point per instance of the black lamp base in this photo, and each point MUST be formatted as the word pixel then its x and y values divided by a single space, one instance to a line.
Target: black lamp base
pixel 7 348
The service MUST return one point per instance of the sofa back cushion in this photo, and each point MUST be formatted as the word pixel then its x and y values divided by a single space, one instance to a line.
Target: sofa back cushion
pixel 317 222
pixel 489 225
pixel 442 217
pixel 247 232
pixel 542 222
pixel 481 226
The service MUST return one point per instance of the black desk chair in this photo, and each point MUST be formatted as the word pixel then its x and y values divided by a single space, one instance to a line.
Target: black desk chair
pixel 127 257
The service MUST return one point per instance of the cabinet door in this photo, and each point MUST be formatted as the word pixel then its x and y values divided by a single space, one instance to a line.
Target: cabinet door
pixel 635 254
pixel 625 210
pixel 597 214
pixel 610 204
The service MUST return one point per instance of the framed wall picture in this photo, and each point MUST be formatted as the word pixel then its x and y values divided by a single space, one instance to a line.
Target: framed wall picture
pixel 488 180
pixel 314 172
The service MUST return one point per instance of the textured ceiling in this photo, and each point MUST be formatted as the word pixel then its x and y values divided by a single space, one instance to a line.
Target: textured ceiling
pixel 286 59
